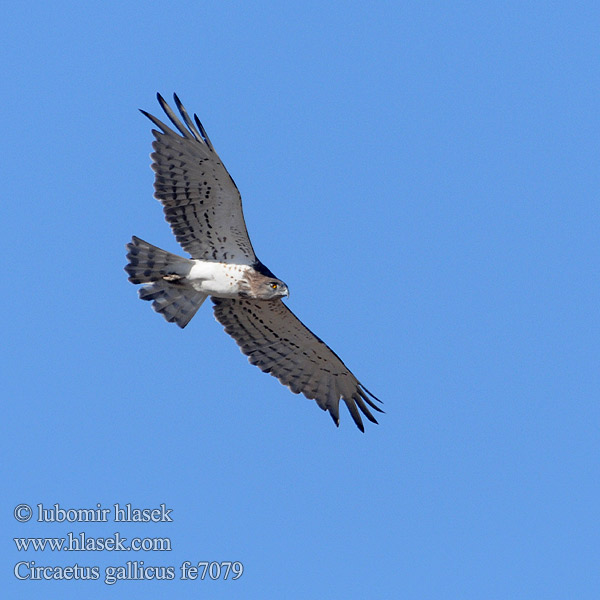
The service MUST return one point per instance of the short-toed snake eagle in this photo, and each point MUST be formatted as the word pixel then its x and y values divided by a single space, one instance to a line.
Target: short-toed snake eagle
pixel 204 209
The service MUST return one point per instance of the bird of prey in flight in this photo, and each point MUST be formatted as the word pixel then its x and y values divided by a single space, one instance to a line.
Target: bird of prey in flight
pixel 204 209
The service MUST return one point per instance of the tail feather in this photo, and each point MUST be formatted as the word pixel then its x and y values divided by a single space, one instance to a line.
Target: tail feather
pixel 175 303
pixel 163 272
pixel 148 263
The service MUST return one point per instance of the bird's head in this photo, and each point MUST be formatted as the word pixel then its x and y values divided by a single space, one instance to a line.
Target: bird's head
pixel 273 288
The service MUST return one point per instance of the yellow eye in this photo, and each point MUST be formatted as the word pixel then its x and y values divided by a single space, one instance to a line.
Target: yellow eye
pixel 274 285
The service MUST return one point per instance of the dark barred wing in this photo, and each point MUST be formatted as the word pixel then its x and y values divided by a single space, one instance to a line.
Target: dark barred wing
pixel 276 341
pixel 201 202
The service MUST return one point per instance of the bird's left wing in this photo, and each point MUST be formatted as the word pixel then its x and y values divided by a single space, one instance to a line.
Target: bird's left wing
pixel 276 341
pixel 201 202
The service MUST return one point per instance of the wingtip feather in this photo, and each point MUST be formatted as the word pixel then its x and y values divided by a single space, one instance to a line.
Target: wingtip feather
pixel 160 99
pixel 362 387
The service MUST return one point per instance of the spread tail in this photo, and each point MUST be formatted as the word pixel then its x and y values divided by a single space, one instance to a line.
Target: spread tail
pixel 163 272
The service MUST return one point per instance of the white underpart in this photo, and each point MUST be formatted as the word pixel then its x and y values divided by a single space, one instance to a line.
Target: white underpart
pixel 216 278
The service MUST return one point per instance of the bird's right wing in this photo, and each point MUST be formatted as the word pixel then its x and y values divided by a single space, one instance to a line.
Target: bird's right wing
pixel 277 342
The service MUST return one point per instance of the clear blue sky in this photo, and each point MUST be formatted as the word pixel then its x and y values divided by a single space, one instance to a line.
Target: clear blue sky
pixel 424 176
